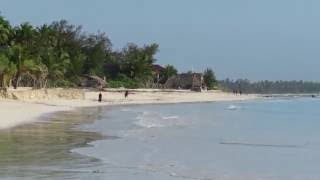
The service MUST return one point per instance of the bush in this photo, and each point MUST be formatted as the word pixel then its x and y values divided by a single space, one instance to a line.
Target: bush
pixel 210 79
pixel 123 81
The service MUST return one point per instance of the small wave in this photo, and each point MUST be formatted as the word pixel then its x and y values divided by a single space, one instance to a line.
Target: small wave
pixel 170 117
pixel 261 144
pixel 233 107
pixel 156 120
pixel 127 110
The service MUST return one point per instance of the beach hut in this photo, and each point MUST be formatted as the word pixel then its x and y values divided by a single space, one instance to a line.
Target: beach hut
pixel 198 83
pixel 157 70
pixel 92 81
pixel 172 83
pixel 191 81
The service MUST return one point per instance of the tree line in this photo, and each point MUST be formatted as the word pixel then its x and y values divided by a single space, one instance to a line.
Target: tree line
pixel 58 54
pixel 269 87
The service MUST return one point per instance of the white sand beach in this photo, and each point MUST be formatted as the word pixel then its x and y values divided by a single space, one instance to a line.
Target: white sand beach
pixel 25 105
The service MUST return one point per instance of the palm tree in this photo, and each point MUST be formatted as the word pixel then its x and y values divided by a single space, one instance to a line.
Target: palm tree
pixel 26 35
pixel 26 56
pixel 57 66
pixel 210 78
pixel 20 58
pixel 168 72
pixel 5 31
pixel 7 71
pixel 46 36
pixel 37 72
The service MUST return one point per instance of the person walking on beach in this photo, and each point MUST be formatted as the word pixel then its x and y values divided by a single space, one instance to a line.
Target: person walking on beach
pixel 126 94
pixel 100 97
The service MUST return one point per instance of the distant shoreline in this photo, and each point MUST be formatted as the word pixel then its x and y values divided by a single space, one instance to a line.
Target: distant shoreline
pixel 30 105
pixel 290 95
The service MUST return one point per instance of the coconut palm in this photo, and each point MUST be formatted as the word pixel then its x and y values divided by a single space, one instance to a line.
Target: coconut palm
pixel 25 54
pixel 37 72
pixel 5 31
pixel 61 52
pixel 7 70
pixel 57 66
pixel 22 62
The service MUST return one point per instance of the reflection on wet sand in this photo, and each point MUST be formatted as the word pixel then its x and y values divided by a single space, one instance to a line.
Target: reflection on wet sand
pixel 42 149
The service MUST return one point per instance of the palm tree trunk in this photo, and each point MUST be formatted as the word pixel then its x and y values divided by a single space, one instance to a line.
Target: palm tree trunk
pixel 16 80
pixel 2 83
pixel 45 84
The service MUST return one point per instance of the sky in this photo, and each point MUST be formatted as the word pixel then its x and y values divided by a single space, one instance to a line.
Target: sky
pixel 253 39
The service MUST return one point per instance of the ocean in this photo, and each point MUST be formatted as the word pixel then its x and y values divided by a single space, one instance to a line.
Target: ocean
pixel 272 139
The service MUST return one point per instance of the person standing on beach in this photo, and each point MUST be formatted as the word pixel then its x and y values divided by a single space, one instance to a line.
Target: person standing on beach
pixel 100 97
pixel 126 94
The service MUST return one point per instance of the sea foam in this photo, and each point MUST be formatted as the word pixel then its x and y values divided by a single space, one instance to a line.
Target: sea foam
pixel 233 107
pixel 156 120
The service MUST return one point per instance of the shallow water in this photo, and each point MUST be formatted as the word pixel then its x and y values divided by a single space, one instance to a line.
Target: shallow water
pixel 42 150
pixel 277 139
pixel 265 140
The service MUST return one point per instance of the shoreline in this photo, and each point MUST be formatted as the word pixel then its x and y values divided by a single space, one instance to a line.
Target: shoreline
pixel 27 110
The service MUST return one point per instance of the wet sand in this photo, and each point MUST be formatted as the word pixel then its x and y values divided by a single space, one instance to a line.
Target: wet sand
pixel 43 149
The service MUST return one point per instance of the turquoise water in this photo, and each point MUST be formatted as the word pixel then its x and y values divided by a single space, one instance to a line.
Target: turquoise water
pixel 272 139
pixel 275 139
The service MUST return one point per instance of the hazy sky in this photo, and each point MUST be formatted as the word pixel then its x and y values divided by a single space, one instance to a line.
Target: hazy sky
pixel 254 39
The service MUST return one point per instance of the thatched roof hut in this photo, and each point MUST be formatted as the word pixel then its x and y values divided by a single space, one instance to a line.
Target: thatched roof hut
pixel 192 81
pixel 156 68
pixel 92 81
pixel 172 83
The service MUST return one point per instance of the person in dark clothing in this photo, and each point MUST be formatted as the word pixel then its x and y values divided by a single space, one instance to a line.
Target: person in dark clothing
pixel 100 97
pixel 126 94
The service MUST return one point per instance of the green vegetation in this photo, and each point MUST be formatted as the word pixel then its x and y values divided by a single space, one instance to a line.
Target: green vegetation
pixel 210 79
pixel 270 87
pixel 168 72
pixel 58 54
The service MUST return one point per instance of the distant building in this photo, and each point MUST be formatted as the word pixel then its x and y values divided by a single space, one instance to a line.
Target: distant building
pixel 192 81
